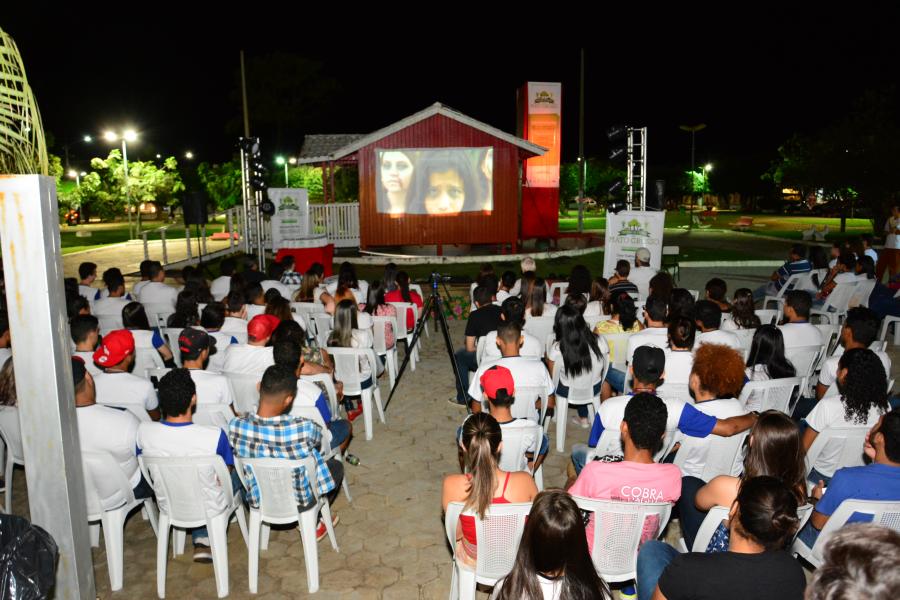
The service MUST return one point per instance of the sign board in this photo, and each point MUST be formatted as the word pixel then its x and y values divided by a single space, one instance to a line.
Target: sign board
pixel 291 218
pixel 629 230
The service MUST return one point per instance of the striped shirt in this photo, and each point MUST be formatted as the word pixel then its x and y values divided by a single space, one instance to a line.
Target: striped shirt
pixel 284 436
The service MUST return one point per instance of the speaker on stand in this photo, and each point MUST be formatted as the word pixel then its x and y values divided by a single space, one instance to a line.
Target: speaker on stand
pixel 194 208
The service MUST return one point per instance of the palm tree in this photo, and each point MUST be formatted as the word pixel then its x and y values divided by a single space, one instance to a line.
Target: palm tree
pixel 23 149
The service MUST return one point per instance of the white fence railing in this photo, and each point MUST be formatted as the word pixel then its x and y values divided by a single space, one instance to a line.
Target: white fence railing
pixel 182 250
pixel 340 222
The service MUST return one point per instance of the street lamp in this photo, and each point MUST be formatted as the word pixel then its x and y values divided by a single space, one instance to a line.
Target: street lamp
pixel 129 135
pixel 693 129
pixel 73 174
pixel 279 160
pixel 189 155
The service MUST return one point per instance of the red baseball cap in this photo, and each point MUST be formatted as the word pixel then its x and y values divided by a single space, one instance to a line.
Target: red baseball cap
pixel 116 345
pixel 495 379
pixel 261 326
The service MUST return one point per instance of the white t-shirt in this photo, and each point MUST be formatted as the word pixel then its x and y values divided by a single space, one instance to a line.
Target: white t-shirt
pixel 88 357
pixel 829 412
pixel 5 353
pixel 678 366
pixel 87 292
pixel 136 290
pixel 219 287
pixel 125 389
pixel 800 334
pixel 252 360
pixel 103 428
pixel 593 309
pixel 234 325
pixel 156 292
pixel 531 443
pixel 828 374
pixel 549 310
pixel 143 338
pixel 870 252
pixel 501 296
pixel 224 341
pixel 551 589
pixel 641 276
pixel 696 448
pixel 526 372
pixel 717 336
pixel 109 306
pixel 212 388
pixel 254 310
pixel 584 379
pixel 531 347
pixel 652 336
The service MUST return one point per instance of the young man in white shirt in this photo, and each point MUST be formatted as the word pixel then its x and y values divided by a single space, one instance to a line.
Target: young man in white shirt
pixel 115 300
pixel 797 330
pixel 85 331
pixel 255 356
pixel 235 315
pixel 116 386
pixel 87 271
pixel 176 435
pixel 106 429
pixel 220 285
pixel 273 281
pixel 212 319
pixel 155 291
pixel 642 272
pixel 512 310
pixel 655 334
pixel 145 279
pixel 708 318
pixel 526 372
pixel 196 346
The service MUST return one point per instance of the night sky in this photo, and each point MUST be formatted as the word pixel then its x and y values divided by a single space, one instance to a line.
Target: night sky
pixel 752 78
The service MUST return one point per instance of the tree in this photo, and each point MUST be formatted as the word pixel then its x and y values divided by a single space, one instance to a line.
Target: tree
pixel 222 182
pixel 305 176
pixel 600 175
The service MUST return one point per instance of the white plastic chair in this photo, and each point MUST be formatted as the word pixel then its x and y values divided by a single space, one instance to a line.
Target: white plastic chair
pixel 559 286
pixel 110 499
pixel 347 371
pixel 11 435
pixel 695 294
pixel 837 303
pixel 610 444
pixel 379 330
pixel 578 395
pixel 863 291
pixel 158 314
pixel 845 442
pixel 768 317
pixel 885 514
pixel 278 505
pixel 217 415
pixel 805 360
pixel 794 281
pixel 618 350
pixel 171 335
pixel 146 359
pixel 498 536
pixel 831 334
pixel 774 394
pixel 244 391
pixel 540 327
pixel 109 323
pixel 512 455
pixel 415 287
pixel 618 527
pixel 717 514
pixel 888 321
pixel 330 391
pixel 323 327
pixel 312 413
pixel 594 319
pixel 723 457
pixel 401 334
pixel 192 492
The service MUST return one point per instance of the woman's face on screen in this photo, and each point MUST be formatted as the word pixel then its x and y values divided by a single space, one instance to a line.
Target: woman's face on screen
pixel 396 171
pixel 446 192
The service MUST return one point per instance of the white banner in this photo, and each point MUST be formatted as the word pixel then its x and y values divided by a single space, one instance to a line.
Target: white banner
pixel 291 218
pixel 630 230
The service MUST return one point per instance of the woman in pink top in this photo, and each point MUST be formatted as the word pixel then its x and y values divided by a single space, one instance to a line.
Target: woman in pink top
pixel 377 307
pixel 402 294
pixel 484 483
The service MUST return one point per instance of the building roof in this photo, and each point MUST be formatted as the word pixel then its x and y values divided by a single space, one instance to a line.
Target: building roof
pixel 435 109
pixel 319 146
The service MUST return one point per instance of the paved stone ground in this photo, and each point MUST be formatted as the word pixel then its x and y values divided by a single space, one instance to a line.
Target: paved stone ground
pixel 391 538
pixel 128 255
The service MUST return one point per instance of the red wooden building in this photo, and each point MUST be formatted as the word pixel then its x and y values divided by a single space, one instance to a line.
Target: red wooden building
pixel 435 127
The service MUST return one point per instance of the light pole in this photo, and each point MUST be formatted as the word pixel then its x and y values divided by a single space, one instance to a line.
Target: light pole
pixel 129 135
pixel 189 155
pixel 693 129
pixel 279 160
pixel 73 174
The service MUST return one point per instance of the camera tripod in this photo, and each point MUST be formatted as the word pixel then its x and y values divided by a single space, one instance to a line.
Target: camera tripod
pixel 433 304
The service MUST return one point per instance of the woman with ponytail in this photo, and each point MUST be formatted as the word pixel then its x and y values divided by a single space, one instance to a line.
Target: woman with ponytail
pixel 762 521
pixel 483 483
pixel 553 560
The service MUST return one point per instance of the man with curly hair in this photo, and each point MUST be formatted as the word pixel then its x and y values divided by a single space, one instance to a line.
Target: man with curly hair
pixel 862 384
pixel 879 480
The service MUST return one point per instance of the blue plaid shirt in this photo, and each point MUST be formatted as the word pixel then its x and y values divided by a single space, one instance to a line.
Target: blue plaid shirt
pixel 292 278
pixel 284 436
